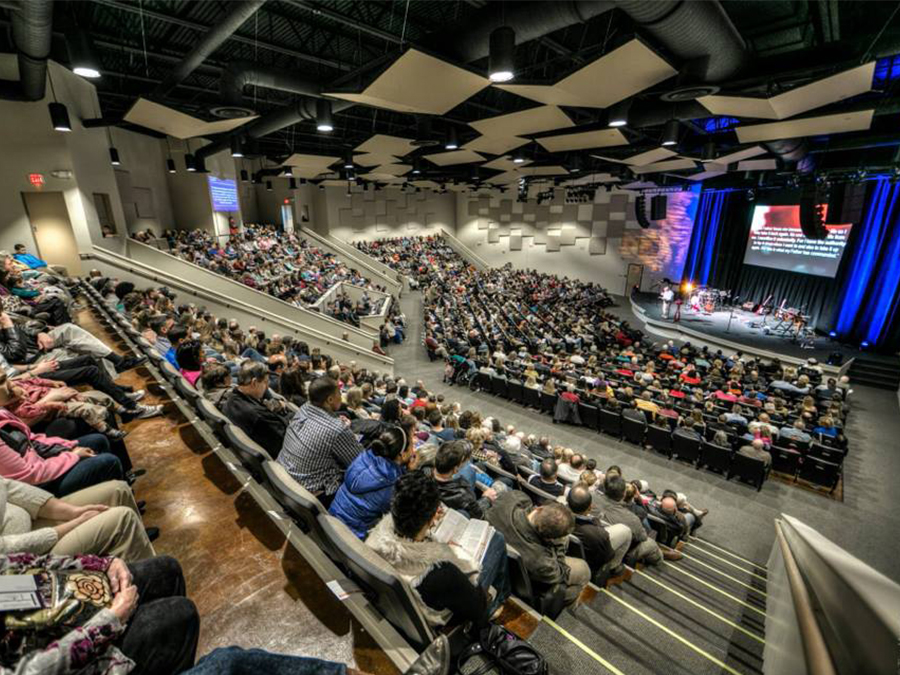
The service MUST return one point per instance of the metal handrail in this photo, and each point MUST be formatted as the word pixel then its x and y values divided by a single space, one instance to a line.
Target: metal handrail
pixel 818 658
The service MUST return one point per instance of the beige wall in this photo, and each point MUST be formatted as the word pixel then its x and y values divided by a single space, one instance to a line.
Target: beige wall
pixel 143 169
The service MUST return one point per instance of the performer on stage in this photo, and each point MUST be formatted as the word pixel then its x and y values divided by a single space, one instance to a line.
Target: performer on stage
pixel 666 296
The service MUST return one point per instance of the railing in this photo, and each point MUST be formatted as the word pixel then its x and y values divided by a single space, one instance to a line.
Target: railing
pixel 828 612
pixel 355 259
pixel 114 265
pixel 464 251
pixel 175 266
pixel 371 322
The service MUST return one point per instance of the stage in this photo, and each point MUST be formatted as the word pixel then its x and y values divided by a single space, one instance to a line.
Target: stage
pixel 733 331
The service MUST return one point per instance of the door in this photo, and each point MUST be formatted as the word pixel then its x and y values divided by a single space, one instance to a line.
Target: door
pixel 633 278
pixel 52 229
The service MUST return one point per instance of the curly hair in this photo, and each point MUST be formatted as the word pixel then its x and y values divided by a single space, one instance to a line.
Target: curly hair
pixel 416 499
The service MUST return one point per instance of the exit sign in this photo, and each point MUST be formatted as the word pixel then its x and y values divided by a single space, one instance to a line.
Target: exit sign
pixel 36 179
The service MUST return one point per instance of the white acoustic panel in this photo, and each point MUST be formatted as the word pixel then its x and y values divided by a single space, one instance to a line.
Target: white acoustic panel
pixel 177 124
pixel 602 138
pixel 374 159
pixel 419 83
pixel 503 164
pixel 740 155
pixel 515 242
pixel 531 121
pixel 454 157
pixel 567 236
pixel 543 171
pixel 383 144
pixel 495 145
pixel 599 229
pixel 809 126
pixel 671 165
pixel 553 241
pixel 623 72
pixel 597 246
pixel 585 213
pixel 757 165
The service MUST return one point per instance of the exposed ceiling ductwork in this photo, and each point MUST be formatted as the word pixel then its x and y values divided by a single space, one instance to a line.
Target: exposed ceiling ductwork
pixel 241 74
pixel 32 30
pixel 237 14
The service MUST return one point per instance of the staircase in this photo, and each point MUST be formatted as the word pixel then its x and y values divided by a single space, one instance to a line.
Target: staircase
pixel 880 373
pixel 702 615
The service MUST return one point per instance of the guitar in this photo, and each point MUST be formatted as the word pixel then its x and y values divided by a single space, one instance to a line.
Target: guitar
pixel 762 308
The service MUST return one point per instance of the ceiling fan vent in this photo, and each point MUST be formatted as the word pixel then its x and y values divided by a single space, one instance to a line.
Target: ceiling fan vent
pixel 689 93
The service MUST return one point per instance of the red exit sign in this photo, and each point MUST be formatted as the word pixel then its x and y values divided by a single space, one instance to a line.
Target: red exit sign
pixel 36 179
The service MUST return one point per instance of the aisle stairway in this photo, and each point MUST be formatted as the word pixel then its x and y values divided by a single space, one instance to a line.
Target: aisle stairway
pixel 704 614
pixel 882 373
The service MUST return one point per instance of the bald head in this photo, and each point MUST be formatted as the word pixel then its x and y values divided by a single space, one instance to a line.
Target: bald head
pixel 579 499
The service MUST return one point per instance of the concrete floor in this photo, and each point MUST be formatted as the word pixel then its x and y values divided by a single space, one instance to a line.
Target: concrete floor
pixel 865 523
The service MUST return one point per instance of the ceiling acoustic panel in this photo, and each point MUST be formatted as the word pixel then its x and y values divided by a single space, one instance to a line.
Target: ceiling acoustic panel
pixel 531 121
pixel 649 157
pixel 543 170
pixel 623 72
pixel 495 145
pixel 799 100
pixel 602 138
pixel 454 157
pixel 711 170
pixel 419 83
pixel 394 169
pixel 504 164
pixel 383 144
pixel 808 126
pixel 374 159
pixel 671 165
pixel 757 165
pixel 739 156
pixel 177 124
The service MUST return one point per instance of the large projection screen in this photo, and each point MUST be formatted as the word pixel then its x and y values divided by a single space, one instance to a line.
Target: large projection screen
pixel 777 241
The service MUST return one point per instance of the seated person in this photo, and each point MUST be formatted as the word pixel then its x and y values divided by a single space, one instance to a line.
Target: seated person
pixel 614 510
pixel 539 534
pixel 32 262
pixel 546 481
pixel 215 384
pixel 189 356
pixel 687 431
pixel 572 470
pixel 457 492
pixel 100 520
pixel 365 495
pixel 246 408
pixel 604 547
pixel 796 433
pixel 453 591
pixel 318 446
pixel 150 626
pixel 757 450
pixel 55 464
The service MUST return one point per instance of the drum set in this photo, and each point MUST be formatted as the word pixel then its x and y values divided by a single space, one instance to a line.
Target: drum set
pixel 706 300
pixel 788 322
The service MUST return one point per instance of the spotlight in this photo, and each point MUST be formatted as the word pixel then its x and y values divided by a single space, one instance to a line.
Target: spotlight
pixel 268 186
pixel 518 158
pixel 189 163
pixel 348 162
pixel 617 116
pixel 237 147
pixel 864 344
pixel 709 150
pixel 502 54
pixel 670 133
pixel 321 187
pixel 244 176
pixel 59 115
pixel 288 172
pixel 417 167
pixel 324 122
pixel 170 165
pixel 114 157
pixel 832 334
pixel 81 55
pixel 452 141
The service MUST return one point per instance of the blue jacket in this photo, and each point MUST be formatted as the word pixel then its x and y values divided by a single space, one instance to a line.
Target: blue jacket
pixel 365 495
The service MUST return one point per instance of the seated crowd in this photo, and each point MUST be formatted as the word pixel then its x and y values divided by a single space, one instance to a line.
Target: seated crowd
pixel 280 264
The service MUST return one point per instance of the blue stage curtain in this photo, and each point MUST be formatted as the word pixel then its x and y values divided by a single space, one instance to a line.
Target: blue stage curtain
pixel 867 309
pixel 701 259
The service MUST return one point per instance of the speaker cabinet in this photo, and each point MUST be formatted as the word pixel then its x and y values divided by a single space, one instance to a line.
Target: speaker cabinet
pixel 658 207
pixel 640 211
pixel 812 216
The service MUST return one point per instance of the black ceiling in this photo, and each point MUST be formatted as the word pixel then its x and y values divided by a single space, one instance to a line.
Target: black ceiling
pixel 341 42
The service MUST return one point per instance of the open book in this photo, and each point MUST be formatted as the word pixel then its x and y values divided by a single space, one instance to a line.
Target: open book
pixel 470 537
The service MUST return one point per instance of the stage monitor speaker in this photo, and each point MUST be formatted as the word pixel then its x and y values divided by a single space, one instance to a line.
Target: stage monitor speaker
pixel 640 212
pixel 835 211
pixel 658 207
pixel 854 203
pixel 835 359
pixel 811 216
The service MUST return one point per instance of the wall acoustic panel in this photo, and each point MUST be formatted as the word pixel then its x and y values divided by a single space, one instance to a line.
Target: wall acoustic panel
pixel 493 234
pixel 599 229
pixel 553 241
pixel 596 246
pixel 567 236
pixel 515 242
pixel 584 213
pixel 472 208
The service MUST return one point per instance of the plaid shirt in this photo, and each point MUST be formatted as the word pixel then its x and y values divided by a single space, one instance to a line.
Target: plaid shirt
pixel 317 448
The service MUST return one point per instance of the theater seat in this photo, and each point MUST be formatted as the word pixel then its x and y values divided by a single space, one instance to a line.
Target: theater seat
pixel 819 472
pixel 825 453
pixel 498 385
pixel 660 439
pixel 515 391
pixel 590 417
pixel 532 397
pixel 548 402
pixel 252 456
pixel 685 449
pixel 385 588
pixel 212 416
pixel 633 430
pixel 748 469
pixel 611 422
pixel 186 390
pixel 714 457
pixel 300 504
pixel 550 602
pixel 785 460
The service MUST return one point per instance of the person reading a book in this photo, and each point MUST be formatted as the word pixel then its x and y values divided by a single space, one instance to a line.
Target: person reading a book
pixel 450 568
pixel 105 616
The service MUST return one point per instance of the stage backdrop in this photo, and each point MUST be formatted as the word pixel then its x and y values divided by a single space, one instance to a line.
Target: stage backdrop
pixel 860 302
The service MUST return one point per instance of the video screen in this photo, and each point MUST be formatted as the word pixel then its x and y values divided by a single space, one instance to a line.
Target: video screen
pixel 223 193
pixel 777 241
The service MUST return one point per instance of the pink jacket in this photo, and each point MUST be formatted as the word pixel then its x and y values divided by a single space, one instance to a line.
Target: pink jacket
pixel 31 468
pixel 27 408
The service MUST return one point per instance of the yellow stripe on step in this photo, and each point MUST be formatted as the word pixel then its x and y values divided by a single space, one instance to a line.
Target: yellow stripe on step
pixel 587 650
pixel 727 562
pixel 728 576
pixel 693 541
pixel 702 607
pixel 715 588
pixel 687 643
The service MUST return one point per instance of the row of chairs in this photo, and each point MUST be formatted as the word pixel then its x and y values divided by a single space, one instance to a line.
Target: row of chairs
pixel 384 588
pixel 819 465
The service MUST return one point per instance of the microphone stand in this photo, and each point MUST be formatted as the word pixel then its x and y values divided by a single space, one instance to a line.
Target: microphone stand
pixel 731 314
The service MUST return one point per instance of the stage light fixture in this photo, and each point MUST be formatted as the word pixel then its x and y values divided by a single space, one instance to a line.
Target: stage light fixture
pixel 244 176
pixel 864 344
pixel 268 186
pixel 237 146
pixel 617 115
pixel 348 161
pixel 189 163
pixel 502 51
pixel 709 151
pixel 832 334
pixel 324 121
pixel 81 55
pixel 170 165
pixel 114 157
pixel 292 184
pixel 670 133
pixel 452 142
pixel 417 167
pixel 288 172
pixel 59 116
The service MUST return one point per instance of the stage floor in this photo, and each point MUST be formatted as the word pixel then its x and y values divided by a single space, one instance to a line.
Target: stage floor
pixel 740 331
